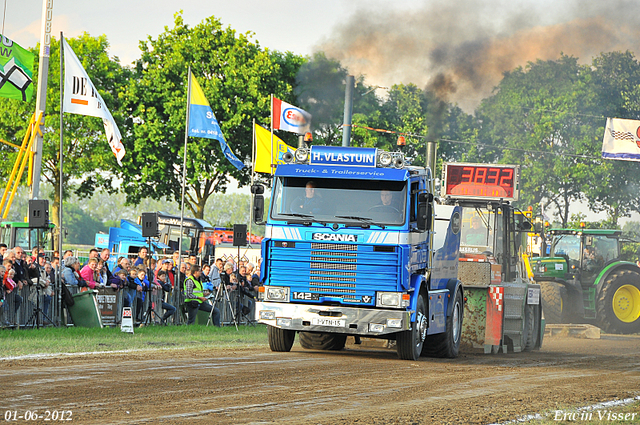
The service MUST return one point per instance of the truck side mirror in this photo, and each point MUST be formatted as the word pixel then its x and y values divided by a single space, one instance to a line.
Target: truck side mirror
pixel 258 203
pixel 425 210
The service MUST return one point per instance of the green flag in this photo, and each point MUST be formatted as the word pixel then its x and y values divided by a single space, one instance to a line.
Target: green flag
pixel 16 65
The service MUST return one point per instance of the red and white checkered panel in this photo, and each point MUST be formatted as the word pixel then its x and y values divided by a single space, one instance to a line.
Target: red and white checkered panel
pixel 497 295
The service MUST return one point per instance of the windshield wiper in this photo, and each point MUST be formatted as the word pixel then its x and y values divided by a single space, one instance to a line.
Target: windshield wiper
pixel 296 215
pixel 366 220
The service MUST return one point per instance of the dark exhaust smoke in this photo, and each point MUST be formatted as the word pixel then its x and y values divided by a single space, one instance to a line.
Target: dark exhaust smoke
pixel 462 48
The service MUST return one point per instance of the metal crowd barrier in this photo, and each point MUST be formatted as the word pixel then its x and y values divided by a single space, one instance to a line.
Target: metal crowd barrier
pixel 111 303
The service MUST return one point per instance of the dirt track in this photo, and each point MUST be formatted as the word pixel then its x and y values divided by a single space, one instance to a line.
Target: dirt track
pixel 358 385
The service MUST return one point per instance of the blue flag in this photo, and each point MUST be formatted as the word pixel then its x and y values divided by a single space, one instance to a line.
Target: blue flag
pixel 203 122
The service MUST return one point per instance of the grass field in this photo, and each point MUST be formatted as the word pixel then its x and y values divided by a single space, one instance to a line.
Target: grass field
pixel 77 340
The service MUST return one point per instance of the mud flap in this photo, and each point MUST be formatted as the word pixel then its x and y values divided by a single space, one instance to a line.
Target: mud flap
pixel 495 312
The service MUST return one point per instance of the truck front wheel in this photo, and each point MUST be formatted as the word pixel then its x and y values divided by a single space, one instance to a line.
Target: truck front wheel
pixel 322 341
pixel 409 343
pixel 280 339
pixel 618 308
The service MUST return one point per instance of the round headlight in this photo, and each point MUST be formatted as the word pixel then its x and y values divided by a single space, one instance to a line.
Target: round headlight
pixel 385 159
pixel 302 155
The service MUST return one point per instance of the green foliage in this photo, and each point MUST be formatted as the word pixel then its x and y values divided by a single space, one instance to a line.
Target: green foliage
pixel 81 225
pixel 88 160
pixel 237 77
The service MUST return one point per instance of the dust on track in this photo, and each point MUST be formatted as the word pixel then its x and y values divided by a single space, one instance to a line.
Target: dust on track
pixel 355 386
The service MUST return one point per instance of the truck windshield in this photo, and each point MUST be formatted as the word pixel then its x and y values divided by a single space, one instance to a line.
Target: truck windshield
pixel 339 200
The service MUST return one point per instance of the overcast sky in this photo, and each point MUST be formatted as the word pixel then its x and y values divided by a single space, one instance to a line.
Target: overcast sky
pixel 295 25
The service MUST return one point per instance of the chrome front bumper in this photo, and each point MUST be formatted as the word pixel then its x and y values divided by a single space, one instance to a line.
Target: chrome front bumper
pixel 357 321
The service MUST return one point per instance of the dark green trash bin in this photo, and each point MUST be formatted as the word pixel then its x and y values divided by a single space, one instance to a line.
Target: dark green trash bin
pixel 84 311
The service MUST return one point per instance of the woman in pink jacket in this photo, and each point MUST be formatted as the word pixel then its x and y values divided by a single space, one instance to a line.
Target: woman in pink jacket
pixel 88 272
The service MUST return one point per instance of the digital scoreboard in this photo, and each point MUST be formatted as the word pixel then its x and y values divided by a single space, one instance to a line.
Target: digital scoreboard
pixel 481 181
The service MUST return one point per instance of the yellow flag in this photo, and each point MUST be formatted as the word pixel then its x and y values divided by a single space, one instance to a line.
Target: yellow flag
pixel 263 150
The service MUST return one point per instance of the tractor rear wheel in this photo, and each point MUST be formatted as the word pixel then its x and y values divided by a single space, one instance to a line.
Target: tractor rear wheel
pixel 552 301
pixel 531 327
pixel 618 306
pixel 322 341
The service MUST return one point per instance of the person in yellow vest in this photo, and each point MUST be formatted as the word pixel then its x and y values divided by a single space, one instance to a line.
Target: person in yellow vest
pixel 194 298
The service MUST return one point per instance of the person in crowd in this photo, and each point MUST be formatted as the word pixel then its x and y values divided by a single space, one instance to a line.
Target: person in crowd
pixel 3 250
pixel 310 203
pixel 175 259
pixel 193 260
pixel 39 275
pixel 163 282
pixel 71 273
pixel 105 254
pixel 206 282
pixel 145 286
pixel 48 288
pixel 2 272
pixel 119 280
pixel 93 253
pixel 101 274
pixel 88 272
pixel 214 274
pixel 225 277
pixel 167 266
pixel 20 266
pixel 254 273
pixel 11 288
pixel 133 289
pixel 143 252
pixel 195 299
pixel 67 253
pixel 184 273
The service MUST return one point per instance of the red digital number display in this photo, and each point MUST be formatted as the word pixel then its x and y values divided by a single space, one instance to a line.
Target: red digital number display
pixel 480 181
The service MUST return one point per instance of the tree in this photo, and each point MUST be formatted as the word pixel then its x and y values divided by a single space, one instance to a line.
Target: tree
pixel 88 161
pixel 616 82
pixel 237 77
pixel 541 116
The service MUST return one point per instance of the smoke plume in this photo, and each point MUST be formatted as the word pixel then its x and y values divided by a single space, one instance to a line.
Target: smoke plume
pixel 462 48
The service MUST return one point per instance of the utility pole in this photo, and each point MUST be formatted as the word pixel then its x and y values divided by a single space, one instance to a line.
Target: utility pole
pixel 348 109
pixel 41 99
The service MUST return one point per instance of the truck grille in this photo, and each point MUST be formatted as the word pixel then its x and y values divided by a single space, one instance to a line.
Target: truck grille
pixel 336 270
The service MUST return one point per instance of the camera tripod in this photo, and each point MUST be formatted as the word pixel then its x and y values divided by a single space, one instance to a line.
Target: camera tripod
pixel 222 294
pixel 146 318
pixel 37 312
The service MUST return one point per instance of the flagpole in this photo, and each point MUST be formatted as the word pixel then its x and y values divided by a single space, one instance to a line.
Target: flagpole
pixel 41 97
pixel 184 181
pixel 60 264
pixel 272 161
pixel 253 170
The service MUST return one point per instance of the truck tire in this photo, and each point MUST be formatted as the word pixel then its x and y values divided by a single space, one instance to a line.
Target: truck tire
pixel 280 339
pixel 553 297
pixel 447 344
pixel 322 341
pixel 618 306
pixel 409 343
pixel 531 327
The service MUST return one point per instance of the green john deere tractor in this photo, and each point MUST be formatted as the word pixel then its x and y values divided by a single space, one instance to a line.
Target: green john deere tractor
pixel 583 280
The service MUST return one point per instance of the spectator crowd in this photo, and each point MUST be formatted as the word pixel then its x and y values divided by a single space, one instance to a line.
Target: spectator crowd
pixel 167 281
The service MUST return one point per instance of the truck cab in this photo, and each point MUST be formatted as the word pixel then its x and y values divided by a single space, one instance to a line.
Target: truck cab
pixel 349 250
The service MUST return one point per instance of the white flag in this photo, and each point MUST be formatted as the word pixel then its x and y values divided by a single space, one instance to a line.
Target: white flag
pixel 290 118
pixel 621 140
pixel 81 97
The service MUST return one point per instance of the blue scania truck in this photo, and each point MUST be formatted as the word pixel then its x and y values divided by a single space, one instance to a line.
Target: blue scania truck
pixel 355 246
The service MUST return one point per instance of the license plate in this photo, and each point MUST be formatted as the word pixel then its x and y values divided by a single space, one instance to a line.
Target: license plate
pixel 336 323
